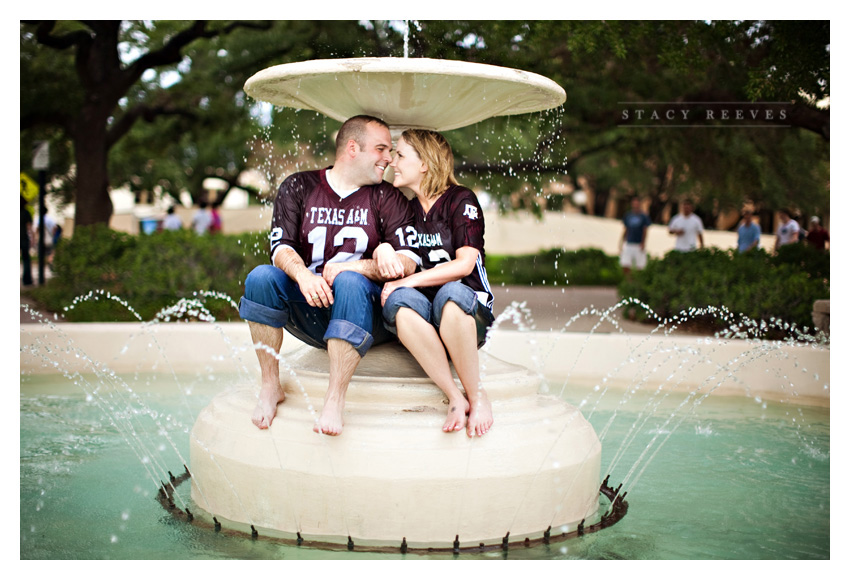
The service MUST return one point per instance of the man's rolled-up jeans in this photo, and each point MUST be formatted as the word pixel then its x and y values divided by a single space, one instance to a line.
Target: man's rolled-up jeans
pixel 274 299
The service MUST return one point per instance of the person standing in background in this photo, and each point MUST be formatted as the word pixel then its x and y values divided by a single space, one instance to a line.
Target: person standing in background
pixel 687 227
pixel 50 236
pixel 26 243
pixel 633 243
pixel 215 223
pixel 788 232
pixel 818 236
pixel 202 219
pixel 749 233
pixel 172 221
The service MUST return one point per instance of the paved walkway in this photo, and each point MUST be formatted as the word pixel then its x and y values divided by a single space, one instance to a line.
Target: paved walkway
pixel 569 309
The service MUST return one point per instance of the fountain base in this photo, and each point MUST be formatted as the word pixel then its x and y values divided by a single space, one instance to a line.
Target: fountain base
pixel 394 476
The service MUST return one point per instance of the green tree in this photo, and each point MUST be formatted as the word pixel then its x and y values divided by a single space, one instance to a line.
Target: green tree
pixel 161 104
pixel 223 136
pixel 155 102
pixel 100 63
pixel 602 65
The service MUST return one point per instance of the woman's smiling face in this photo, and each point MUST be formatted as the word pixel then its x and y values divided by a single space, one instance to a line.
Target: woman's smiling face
pixel 408 167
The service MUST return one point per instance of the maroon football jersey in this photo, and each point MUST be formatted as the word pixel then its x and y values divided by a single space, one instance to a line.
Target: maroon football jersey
pixel 312 219
pixel 454 221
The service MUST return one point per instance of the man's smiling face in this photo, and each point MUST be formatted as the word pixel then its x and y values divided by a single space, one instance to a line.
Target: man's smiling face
pixel 374 157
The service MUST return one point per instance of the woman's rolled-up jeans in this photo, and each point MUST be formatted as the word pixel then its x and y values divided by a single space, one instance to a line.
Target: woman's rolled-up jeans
pixel 457 292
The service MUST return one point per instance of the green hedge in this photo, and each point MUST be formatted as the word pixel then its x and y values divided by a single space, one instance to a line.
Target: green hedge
pixel 764 294
pixel 556 267
pixel 101 275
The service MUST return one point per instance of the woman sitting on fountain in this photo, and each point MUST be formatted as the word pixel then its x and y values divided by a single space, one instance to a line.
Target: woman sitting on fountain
pixel 448 308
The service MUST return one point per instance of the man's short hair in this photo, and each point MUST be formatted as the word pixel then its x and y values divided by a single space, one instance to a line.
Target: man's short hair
pixel 355 128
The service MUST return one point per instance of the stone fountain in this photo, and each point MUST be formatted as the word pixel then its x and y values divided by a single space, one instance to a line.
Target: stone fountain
pixel 394 478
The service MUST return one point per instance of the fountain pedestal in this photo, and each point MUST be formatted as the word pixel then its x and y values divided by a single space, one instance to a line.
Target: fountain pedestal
pixel 394 474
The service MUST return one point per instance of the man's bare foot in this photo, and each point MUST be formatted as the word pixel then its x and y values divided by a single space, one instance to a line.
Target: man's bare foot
pixel 456 417
pixel 480 415
pixel 330 419
pixel 266 408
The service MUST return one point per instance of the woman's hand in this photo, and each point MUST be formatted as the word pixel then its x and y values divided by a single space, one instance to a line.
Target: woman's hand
pixel 389 263
pixel 389 287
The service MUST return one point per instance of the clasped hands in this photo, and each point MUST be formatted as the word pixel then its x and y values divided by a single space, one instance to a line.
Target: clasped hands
pixel 318 289
pixel 390 268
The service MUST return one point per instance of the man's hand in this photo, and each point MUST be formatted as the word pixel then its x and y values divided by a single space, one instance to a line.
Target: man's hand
pixel 316 289
pixel 332 269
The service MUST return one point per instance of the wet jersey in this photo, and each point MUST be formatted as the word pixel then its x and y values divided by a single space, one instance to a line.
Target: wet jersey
pixel 454 221
pixel 322 227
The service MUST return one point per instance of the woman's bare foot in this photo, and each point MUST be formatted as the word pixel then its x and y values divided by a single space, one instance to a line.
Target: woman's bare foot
pixel 330 419
pixel 456 417
pixel 266 409
pixel 480 415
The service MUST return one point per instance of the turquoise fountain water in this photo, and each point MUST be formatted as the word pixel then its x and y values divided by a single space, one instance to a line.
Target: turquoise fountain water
pixel 708 475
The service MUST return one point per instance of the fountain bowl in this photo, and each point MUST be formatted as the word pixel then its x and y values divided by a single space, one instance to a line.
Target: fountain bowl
pixel 406 92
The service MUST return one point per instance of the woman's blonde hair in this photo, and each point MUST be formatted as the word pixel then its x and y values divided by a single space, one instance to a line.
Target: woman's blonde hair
pixel 433 149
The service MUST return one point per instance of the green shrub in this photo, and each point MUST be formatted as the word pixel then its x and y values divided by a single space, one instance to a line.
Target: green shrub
pixel 754 287
pixel 100 275
pixel 556 267
pixel 803 256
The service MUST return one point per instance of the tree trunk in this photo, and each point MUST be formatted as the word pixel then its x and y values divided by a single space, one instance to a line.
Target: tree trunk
pixel 600 201
pixel 93 204
pixel 656 209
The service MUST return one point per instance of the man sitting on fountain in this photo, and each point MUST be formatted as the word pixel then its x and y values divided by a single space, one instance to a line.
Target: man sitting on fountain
pixel 323 286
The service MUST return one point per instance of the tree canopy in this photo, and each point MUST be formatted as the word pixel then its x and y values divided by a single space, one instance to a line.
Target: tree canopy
pixel 152 104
